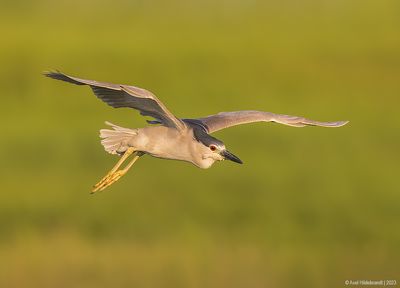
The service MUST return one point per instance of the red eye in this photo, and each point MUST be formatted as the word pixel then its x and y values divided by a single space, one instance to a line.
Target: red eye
pixel 213 147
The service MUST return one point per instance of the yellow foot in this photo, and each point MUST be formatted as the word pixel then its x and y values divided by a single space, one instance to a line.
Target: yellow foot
pixel 108 180
pixel 114 175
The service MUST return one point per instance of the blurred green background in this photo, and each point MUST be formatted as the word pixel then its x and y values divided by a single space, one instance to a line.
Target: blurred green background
pixel 311 207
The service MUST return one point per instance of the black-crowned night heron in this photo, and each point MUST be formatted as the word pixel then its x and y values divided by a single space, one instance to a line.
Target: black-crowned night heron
pixel 172 138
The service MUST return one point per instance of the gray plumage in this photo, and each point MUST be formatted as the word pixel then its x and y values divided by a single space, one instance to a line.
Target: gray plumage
pixel 117 96
pixel 174 138
pixel 228 119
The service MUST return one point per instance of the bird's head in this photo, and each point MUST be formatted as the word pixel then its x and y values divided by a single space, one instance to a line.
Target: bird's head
pixel 218 152
pixel 214 149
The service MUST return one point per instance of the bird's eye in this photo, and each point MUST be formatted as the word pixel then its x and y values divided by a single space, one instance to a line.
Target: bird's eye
pixel 213 147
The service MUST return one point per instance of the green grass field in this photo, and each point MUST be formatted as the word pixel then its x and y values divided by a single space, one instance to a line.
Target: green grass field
pixel 311 207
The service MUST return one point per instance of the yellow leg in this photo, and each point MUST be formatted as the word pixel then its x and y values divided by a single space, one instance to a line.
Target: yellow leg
pixel 114 175
pixel 118 174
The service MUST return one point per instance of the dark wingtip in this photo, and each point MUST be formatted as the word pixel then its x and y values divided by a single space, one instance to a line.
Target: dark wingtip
pixel 61 76
pixel 51 73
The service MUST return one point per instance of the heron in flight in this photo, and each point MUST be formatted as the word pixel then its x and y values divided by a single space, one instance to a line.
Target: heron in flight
pixel 170 137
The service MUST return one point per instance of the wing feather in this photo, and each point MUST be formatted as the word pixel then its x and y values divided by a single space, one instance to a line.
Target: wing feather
pixel 224 120
pixel 117 96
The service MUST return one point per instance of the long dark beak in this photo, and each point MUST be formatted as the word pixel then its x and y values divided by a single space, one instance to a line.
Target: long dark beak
pixel 228 155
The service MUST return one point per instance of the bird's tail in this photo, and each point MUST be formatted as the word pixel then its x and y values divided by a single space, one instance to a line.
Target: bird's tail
pixel 116 141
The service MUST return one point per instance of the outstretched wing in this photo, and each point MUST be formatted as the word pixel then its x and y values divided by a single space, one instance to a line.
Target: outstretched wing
pixel 227 119
pixel 118 95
